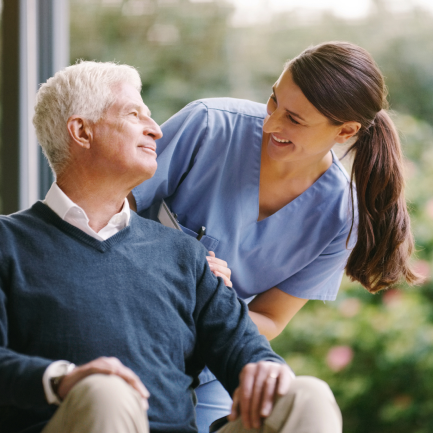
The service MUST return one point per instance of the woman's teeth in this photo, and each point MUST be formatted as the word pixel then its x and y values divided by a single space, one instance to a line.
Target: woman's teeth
pixel 280 141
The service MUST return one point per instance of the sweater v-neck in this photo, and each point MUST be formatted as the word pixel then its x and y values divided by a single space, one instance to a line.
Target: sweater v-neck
pixel 48 215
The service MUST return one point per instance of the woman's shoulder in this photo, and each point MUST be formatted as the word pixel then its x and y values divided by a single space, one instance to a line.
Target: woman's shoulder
pixel 331 196
pixel 340 193
pixel 336 178
pixel 201 113
pixel 231 106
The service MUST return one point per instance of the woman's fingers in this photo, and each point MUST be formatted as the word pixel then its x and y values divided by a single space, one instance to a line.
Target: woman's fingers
pixel 220 268
pixel 219 262
pixel 227 282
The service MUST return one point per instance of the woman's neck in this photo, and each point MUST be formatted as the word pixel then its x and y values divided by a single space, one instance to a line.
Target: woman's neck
pixel 308 169
pixel 283 181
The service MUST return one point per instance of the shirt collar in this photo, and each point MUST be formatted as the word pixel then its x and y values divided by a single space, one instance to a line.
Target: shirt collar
pixel 62 205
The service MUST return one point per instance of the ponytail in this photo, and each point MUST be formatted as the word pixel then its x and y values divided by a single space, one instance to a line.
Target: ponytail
pixel 385 243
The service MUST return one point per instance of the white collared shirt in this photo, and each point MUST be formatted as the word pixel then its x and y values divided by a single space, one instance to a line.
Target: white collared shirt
pixel 73 214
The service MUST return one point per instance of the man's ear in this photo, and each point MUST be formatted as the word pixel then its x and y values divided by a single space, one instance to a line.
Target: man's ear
pixel 346 131
pixel 80 131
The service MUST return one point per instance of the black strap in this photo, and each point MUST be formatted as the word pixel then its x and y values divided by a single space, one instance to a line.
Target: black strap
pixel 217 424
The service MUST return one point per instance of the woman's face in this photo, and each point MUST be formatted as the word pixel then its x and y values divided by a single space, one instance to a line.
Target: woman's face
pixel 294 129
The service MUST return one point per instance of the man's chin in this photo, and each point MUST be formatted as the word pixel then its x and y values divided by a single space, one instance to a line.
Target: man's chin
pixel 147 173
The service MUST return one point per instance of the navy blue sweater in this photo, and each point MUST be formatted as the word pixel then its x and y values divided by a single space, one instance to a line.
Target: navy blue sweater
pixel 146 296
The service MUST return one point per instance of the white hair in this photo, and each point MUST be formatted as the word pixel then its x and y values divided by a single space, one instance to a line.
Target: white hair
pixel 83 89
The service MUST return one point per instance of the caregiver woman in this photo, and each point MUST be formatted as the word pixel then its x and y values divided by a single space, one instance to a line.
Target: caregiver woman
pixel 276 202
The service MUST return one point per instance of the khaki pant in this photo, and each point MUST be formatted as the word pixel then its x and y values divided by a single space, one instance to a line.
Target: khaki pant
pixel 107 404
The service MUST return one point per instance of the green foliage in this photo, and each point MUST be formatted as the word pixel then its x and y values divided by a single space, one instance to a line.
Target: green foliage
pixel 178 46
pixel 374 351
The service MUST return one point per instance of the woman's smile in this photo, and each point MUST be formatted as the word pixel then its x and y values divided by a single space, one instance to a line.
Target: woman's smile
pixel 278 141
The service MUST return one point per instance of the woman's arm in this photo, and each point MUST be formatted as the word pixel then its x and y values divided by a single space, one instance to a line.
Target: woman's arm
pixel 272 310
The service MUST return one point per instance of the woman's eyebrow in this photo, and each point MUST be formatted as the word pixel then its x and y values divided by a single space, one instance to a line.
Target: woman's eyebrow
pixel 288 111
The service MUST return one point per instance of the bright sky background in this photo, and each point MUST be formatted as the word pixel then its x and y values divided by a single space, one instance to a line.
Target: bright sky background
pixel 251 11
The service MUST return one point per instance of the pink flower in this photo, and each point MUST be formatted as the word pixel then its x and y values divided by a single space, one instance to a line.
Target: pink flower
pixel 339 357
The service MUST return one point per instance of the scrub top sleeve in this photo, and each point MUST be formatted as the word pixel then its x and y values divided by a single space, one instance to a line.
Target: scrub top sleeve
pixel 183 135
pixel 321 279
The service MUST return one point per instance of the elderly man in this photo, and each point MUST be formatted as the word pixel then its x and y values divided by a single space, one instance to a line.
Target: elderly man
pixel 111 317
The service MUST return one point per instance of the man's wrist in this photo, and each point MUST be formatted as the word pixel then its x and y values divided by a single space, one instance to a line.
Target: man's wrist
pixel 55 383
pixel 52 377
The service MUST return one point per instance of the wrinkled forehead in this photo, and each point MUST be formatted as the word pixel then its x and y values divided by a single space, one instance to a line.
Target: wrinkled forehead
pixel 127 97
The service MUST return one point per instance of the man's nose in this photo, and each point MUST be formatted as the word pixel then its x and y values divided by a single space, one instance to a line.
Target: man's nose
pixel 153 129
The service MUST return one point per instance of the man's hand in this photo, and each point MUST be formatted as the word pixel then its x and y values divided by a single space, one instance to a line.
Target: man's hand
pixel 259 384
pixel 220 268
pixel 103 366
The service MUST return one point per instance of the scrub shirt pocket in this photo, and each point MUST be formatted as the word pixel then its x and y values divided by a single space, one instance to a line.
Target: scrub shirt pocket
pixel 208 242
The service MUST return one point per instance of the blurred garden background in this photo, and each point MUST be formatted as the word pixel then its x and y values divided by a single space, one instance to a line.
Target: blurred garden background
pixel 375 351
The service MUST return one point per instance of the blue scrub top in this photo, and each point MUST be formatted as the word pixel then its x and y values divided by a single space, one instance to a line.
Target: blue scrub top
pixel 209 172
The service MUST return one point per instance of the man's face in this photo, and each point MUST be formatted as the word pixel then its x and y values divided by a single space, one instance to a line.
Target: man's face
pixel 124 139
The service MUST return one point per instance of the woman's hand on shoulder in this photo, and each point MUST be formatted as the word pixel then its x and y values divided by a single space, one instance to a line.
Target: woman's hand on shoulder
pixel 220 268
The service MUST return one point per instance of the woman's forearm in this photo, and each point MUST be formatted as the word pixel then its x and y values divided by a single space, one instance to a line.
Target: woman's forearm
pixel 272 310
pixel 266 325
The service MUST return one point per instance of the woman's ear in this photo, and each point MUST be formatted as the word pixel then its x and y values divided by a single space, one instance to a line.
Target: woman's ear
pixel 347 130
pixel 80 131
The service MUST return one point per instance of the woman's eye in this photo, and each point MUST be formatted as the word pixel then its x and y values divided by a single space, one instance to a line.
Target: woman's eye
pixel 292 119
pixel 134 113
pixel 273 98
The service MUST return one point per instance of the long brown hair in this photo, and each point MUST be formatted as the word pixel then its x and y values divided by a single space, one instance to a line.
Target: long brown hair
pixel 344 83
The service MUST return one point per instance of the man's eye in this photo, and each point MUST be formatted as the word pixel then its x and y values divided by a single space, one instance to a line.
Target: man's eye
pixel 273 97
pixel 134 113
